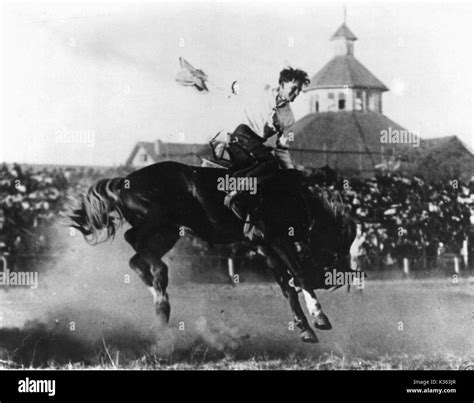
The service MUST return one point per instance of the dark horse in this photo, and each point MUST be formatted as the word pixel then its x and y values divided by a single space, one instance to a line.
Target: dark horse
pixel 163 201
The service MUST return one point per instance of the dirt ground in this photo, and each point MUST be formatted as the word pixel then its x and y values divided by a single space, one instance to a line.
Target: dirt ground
pixel 89 298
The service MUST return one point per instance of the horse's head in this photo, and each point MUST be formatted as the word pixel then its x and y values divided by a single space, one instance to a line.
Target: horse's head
pixel 331 235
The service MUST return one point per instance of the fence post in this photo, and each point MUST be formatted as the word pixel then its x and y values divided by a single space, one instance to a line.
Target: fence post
pixel 465 253
pixel 456 265
pixel 406 266
pixel 230 266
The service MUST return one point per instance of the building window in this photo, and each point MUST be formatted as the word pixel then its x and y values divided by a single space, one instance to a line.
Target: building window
pixel 331 101
pixel 144 157
pixel 359 101
pixel 373 101
pixel 342 101
pixel 316 105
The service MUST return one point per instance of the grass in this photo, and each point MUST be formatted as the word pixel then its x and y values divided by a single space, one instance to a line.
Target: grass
pixel 199 361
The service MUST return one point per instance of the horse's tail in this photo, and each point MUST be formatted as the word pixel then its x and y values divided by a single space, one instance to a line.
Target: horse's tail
pixel 100 211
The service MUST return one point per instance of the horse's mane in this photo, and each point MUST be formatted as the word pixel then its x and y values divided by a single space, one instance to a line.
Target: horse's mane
pixel 330 206
pixel 331 201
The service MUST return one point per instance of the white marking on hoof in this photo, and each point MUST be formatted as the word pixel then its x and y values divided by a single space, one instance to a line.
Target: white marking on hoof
pixel 314 307
pixel 153 293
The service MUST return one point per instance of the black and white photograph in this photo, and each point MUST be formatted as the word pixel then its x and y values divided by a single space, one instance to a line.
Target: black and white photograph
pixel 213 187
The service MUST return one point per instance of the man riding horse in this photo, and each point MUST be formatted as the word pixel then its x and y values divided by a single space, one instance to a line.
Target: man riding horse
pixel 161 200
pixel 269 116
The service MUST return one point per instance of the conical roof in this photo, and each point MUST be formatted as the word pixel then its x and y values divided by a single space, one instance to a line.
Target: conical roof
pixel 344 32
pixel 343 71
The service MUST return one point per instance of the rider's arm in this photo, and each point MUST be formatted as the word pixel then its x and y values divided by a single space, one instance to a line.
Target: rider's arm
pixel 255 104
pixel 269 129
pixel 284 158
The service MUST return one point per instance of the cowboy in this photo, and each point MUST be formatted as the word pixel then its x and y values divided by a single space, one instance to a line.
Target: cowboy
pixel 266 116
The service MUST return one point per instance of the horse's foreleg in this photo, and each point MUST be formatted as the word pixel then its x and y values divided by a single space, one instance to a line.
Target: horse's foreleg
pixel 307 334
pixel 160 283
pixel 137 262
pixel 290 259
pixel 142 268
pixel 321 321
pixel 151 244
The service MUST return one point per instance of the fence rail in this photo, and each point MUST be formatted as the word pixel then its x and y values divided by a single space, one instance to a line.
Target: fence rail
pixel 458 262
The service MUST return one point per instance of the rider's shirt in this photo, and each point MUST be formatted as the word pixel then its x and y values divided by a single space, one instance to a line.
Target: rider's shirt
pixel 266 115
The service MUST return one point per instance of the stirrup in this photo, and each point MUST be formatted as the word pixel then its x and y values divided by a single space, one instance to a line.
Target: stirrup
pixel 229 202
pixel 229 198
pixel 236 211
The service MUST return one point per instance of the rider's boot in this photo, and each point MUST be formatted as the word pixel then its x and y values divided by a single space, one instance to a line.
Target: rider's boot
pixel 232 202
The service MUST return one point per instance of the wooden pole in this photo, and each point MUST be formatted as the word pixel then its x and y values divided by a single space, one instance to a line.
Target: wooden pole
pixel 456 265
pixel 406 266
pixel 465 253
pixel 230 266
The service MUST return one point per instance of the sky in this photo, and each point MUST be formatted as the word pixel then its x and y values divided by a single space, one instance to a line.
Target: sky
pixel 83 82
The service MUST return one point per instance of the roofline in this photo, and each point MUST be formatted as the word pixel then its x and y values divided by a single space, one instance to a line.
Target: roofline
pixel 183 143
pixel 452 137
pixel 322 87
pixel 133 153
pixel 467 146
pixel 344 27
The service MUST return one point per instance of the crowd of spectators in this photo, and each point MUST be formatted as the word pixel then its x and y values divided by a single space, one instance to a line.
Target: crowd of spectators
pixel 31 200
pixel 406 217
pixel 400 216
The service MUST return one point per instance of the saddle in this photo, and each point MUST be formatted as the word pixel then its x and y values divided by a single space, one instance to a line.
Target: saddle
pixel 219 156
pixel 280 201
pixel 244 149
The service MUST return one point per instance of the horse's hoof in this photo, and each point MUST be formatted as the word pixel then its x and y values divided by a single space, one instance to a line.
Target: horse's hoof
pixel 322 322
pixel 308 336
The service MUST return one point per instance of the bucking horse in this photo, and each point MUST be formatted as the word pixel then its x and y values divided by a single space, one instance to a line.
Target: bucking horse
pixel 306 231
